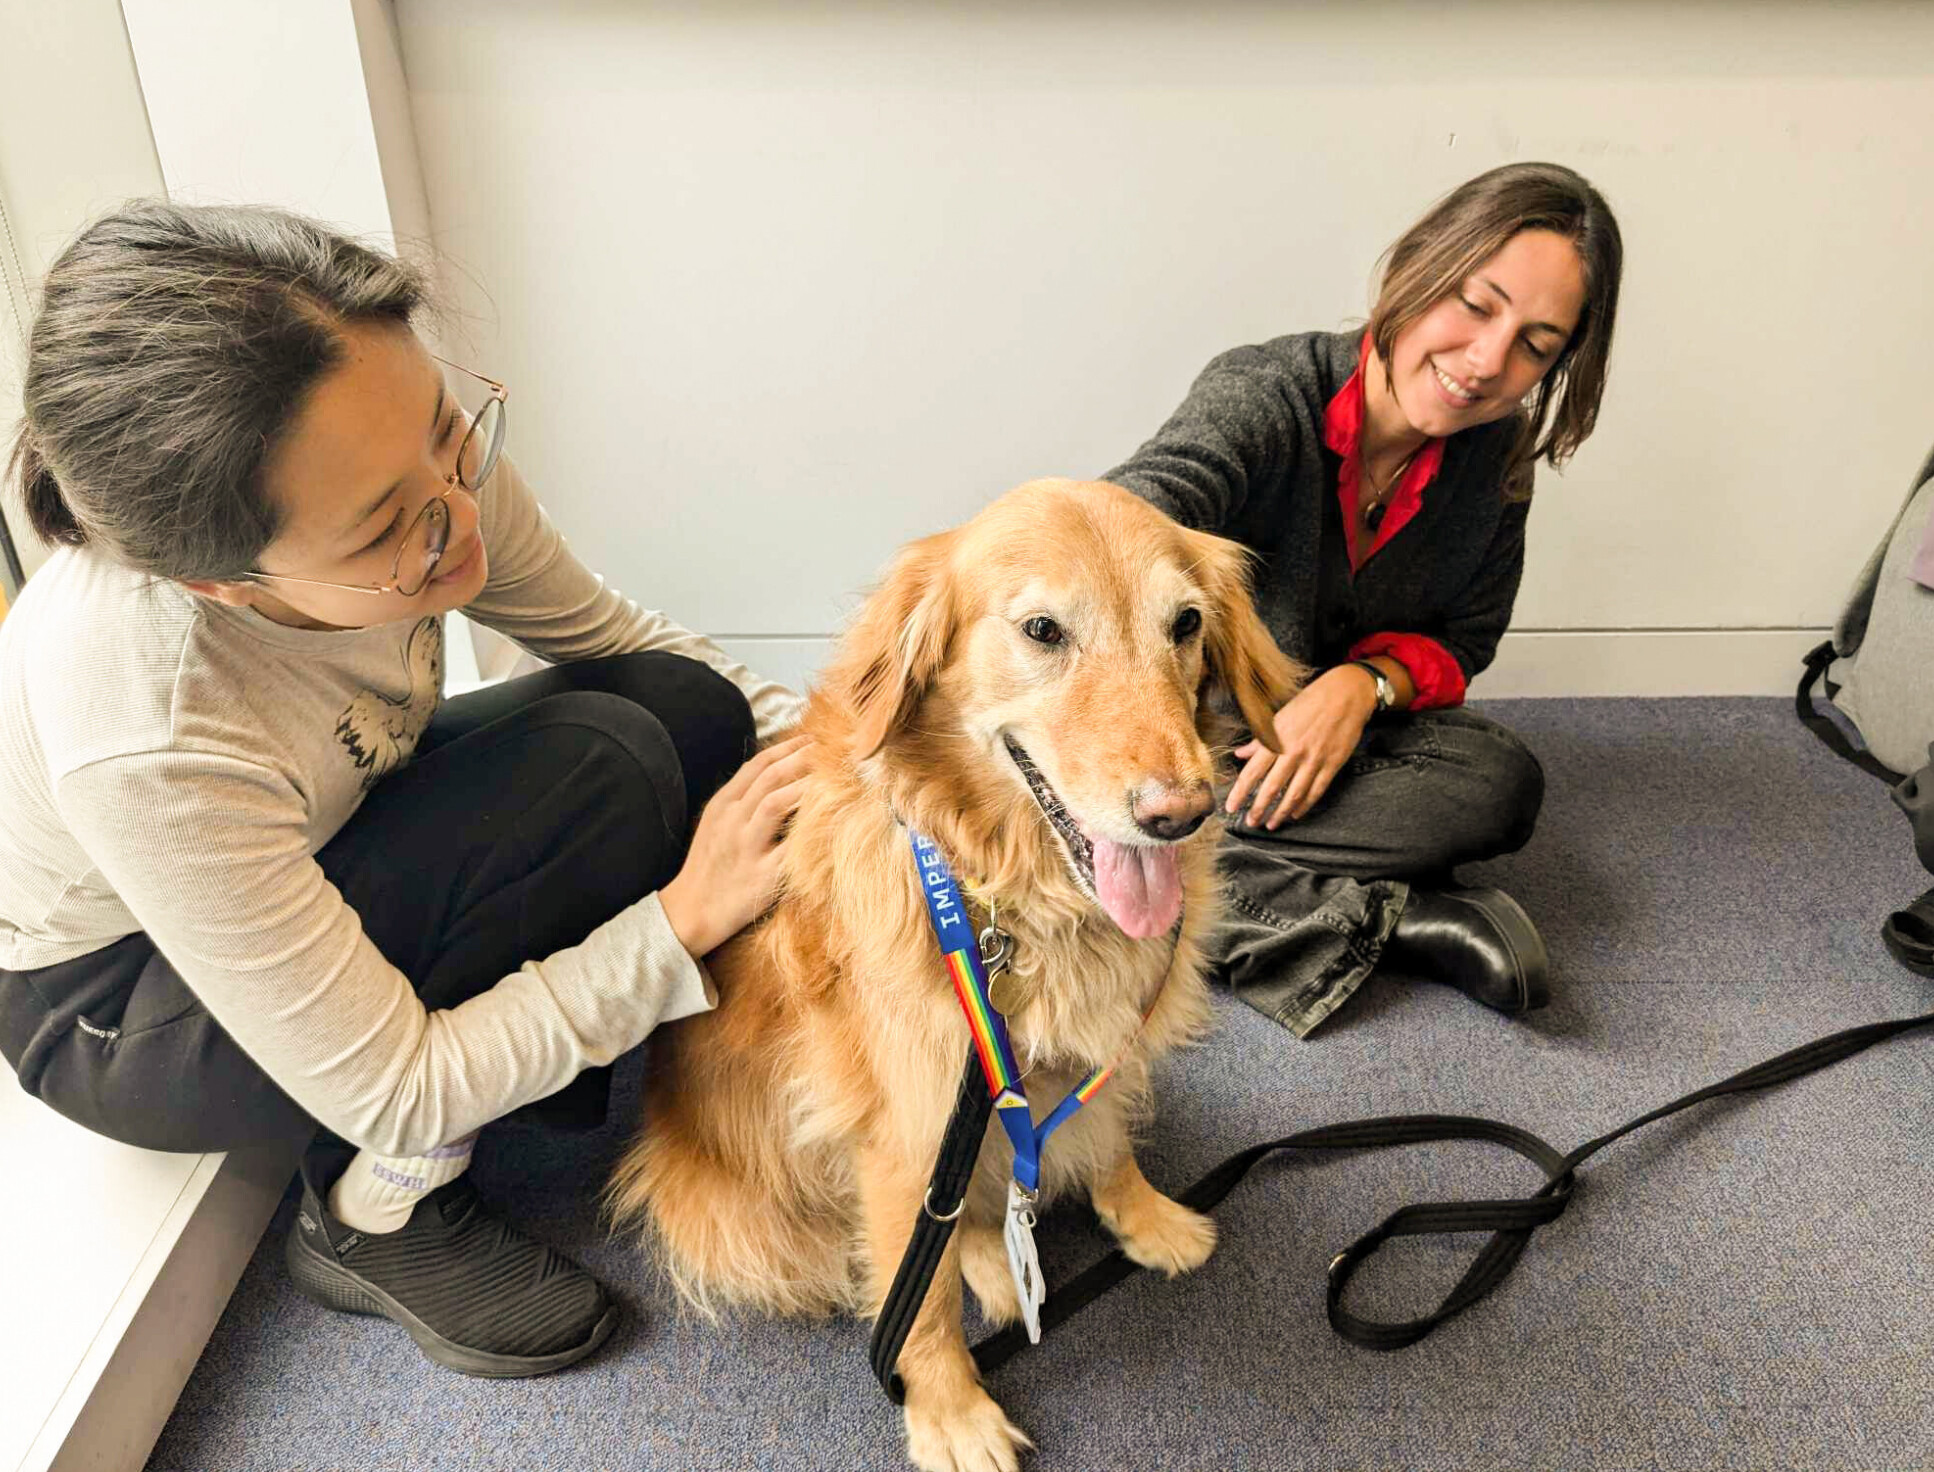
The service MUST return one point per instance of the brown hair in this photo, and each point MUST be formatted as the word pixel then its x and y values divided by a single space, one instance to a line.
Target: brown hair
pixel 1435 256
pixel 172 348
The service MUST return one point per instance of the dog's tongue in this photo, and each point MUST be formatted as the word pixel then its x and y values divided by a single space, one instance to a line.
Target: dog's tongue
pixel 1139 887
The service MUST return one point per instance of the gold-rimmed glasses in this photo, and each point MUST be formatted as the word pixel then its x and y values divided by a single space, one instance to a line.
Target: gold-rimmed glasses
pixel 428 534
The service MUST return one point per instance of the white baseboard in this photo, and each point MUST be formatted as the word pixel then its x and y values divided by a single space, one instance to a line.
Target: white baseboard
pixel 1653 662
pixel 1530 662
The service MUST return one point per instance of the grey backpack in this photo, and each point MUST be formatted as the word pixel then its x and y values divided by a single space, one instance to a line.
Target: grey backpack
pixel 1878 672
pixel 1879 665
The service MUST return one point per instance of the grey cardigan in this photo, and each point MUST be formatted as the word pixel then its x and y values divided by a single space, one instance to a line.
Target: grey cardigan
pixel 1244 457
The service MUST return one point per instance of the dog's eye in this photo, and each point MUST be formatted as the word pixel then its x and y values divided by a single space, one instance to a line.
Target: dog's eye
pixel 1042 630
pixel 1188 622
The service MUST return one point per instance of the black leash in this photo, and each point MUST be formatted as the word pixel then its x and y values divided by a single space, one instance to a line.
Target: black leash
pixel 945 1198
pixel 1511 1222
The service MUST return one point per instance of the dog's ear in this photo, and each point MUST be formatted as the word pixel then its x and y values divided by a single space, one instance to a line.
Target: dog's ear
pixel 899 642
pixel 1242 656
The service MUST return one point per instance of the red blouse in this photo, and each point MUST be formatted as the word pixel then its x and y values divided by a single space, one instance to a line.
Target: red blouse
pixel 1432 668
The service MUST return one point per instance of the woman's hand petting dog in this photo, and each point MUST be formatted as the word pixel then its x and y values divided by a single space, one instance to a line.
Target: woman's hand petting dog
pixel 1318 729
pixel 731 875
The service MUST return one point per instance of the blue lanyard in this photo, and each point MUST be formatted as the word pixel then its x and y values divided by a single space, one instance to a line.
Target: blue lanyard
pixel 968 971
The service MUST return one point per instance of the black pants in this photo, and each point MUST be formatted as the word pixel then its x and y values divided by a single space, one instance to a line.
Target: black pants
pixel 532 812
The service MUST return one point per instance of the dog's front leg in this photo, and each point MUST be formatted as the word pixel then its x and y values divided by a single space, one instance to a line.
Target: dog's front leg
pixel 1153 1230
pixel 983 1263
pixel 953 1425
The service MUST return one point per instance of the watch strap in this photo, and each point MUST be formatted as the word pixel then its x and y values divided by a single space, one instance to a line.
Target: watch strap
pixel 1386 691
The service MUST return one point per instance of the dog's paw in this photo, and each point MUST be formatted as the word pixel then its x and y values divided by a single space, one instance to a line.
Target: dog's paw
pixel 983 1263
pixel 971 1436
pixel 1163 1234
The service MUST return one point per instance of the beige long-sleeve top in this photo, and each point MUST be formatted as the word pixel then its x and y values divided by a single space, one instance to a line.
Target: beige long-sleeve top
pixel 172 765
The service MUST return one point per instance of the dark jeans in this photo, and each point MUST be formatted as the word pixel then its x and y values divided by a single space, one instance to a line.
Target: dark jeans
pixel 532 812
pixel 1311 904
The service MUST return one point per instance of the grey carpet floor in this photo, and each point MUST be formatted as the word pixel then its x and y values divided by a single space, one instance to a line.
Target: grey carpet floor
pixel 1748 1286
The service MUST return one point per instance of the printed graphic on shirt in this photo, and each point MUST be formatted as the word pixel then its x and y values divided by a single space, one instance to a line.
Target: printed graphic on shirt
pixel 380 733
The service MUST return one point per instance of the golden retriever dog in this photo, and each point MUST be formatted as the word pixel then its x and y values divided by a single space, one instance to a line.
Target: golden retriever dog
pixel 1036 692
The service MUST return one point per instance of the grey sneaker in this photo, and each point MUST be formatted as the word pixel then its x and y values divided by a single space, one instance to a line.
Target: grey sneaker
pixel 476 1295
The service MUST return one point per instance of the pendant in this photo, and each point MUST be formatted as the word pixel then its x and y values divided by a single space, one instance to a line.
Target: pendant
pixel 1022 1259
pixel 1373 518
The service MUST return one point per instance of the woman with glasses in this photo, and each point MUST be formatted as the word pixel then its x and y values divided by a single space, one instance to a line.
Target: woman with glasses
pixel 255 874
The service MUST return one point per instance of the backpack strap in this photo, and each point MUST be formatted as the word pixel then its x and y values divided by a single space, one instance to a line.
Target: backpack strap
pixel 1822 725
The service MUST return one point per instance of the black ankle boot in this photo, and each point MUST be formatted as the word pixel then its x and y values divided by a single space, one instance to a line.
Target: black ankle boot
pixel 1477 940
pixel 476 1295
pixel 1909 935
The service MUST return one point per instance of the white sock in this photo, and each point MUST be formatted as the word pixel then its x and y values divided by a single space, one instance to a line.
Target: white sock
pixel 377 1193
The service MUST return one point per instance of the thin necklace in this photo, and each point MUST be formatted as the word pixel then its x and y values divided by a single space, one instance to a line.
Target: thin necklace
pixel 1373 513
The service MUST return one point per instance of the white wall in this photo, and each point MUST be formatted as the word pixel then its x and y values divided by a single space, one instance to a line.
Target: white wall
pixel 779 286
pixel 254 104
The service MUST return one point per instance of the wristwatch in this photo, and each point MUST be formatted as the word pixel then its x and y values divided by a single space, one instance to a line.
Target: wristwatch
pixel 1386 692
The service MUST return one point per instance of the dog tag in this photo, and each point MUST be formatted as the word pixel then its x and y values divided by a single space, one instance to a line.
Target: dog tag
pixel 1022 1260
pixel 1004 993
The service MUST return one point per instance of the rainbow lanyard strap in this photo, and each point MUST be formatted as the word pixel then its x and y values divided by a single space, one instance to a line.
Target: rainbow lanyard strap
pixel 969 973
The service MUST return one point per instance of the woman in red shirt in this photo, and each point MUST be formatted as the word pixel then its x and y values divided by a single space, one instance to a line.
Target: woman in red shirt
pixel 1384 480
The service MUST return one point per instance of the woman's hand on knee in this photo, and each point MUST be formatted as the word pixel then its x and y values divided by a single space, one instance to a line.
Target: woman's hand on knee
pixel 1318 731
pixel 731 875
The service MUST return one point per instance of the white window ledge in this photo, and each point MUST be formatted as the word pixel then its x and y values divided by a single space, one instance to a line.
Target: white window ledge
pixel 115 1264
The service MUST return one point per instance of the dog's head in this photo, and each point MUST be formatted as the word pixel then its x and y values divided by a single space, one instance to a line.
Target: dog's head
pixel 1040 690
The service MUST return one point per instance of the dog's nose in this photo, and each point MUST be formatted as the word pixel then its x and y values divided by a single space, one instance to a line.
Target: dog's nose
pixel 1170 813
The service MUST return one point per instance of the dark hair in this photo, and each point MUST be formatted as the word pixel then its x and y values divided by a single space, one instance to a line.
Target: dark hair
pixel 1434 257
pixel 173 346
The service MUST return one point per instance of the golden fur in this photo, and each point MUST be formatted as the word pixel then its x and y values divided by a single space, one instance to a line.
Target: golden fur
pixel 788 1135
